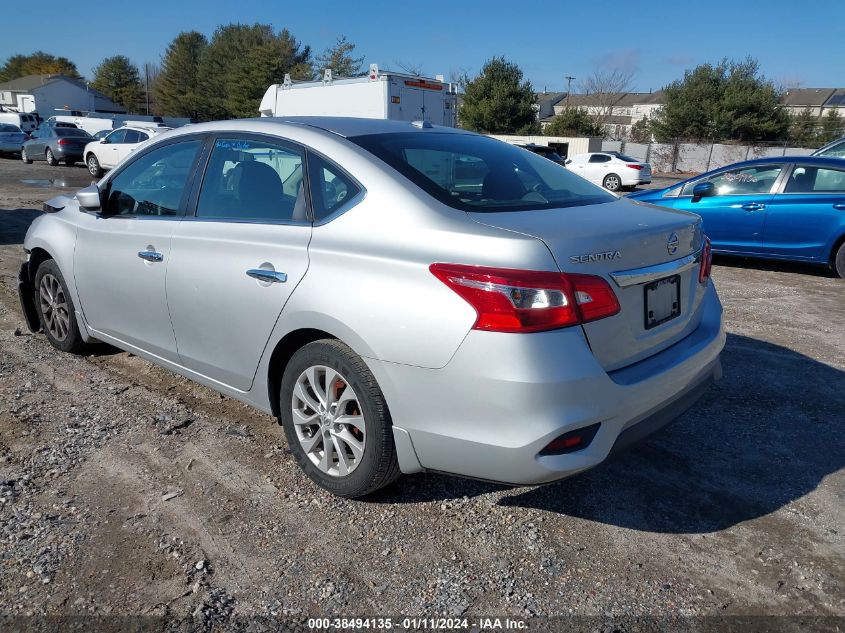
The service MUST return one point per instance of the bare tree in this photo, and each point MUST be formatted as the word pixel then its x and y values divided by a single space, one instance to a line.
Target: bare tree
pixel 410 68
pixel 605 88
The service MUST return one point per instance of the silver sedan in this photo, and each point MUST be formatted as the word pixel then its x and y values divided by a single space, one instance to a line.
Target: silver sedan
pixel 402 297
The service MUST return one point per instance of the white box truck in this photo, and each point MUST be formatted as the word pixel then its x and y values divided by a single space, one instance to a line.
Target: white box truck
pixel 378 95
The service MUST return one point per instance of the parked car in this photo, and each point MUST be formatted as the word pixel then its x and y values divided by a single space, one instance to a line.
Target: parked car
pixel 517 324
pixel 117 145
pixel 55 144
pixel 11 138
pixel 26 122
pixel 611 170
pixel 834 149
pixel 543 150
pixel 784 207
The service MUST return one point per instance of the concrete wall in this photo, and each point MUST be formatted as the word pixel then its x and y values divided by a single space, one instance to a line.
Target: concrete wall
pixel 575 145
pixel 697 157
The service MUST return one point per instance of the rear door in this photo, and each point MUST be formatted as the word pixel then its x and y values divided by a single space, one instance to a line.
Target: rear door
pixel 803 220
pixel 734 219
pixel 597 168
pixel 239 255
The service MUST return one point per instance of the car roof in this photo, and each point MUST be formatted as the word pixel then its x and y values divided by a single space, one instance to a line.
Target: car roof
pixel 829 161
pixel 348 127
pixel 144 128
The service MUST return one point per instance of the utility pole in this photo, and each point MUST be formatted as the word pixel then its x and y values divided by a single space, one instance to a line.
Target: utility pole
pixel 568 89
pixel 147 86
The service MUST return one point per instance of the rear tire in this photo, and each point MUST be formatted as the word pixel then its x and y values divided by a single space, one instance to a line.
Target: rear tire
pixel 26 159
pixel 839 261
pixel 94 166
pixel 336 402
pixel 55 309
pixel 51 160
pixel 612 182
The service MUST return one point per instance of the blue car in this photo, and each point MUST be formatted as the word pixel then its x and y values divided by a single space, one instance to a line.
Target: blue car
pixel 784 207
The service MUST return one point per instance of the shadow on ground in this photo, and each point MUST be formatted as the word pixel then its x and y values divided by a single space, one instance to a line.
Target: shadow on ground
pixel 801 268
pixel 14 223
pixel 765 436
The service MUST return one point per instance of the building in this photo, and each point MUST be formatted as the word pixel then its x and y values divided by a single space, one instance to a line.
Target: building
pixel 798 100
pixel 835 102
pixel 45 94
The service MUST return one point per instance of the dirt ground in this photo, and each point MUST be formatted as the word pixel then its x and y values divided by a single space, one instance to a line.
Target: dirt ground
pixel 126 490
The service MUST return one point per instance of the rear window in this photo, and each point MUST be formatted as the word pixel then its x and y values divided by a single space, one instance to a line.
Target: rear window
pixel 72 131
pixel 477 173
pixel 626 158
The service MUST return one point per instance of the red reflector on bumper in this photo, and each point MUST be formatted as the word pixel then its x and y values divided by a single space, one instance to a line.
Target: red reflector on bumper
pixel 571 441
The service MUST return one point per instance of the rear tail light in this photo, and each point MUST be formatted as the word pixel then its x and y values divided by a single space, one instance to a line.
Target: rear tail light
pixel 572 441
pixel 63 141
pixel 634 166
pixel 706 261
pixel 508 300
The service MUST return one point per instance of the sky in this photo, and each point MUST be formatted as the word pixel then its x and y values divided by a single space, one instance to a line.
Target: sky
pixel 656 40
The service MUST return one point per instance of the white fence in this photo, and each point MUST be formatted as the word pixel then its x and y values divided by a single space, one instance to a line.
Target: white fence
pixel 697 157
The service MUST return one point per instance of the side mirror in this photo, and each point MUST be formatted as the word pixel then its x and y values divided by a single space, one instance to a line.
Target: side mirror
pixel 104 140
pixel 89 198
pixel 703 190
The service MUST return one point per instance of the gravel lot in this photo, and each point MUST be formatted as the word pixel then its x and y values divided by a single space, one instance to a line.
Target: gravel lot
pixel 127 490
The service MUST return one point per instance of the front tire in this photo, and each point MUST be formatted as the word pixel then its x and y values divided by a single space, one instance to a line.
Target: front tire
pixel 94 166
pixel 51 160
pixel 55 309
pixel 336 420
pixel 26 159
pixel 612 182
pixel 839 261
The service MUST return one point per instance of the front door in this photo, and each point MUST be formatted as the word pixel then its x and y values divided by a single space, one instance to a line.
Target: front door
pixel 238 259
pixel 109 151
pixel 122 253
pixel 735 217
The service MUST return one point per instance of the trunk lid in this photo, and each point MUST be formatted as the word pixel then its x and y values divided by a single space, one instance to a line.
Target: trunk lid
pixel 622 237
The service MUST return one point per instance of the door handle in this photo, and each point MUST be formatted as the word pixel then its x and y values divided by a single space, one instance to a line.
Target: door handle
pixel 839 205
pixel 754 206
pixel 150 256
pixel 267 275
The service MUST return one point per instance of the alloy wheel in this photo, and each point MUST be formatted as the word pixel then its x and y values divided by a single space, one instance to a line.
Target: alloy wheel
pixel 328 420
pixel 611 183
pixel 54 307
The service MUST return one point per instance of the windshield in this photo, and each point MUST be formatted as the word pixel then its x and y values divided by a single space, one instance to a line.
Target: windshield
pixel 6 127
pixel 477 173
pixel 72 131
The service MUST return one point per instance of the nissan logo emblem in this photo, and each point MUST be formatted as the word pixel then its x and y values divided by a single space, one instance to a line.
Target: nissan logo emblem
pixel 672 244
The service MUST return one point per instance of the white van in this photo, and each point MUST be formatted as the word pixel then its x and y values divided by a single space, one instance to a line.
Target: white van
pixel 378 95
pixel 26 122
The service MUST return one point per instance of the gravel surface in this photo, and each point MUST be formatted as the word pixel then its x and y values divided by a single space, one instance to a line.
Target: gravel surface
pixel 127 490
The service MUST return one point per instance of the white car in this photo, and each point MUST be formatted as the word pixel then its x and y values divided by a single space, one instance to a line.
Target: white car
pixel 26 122
pixel 109 151
pixel 611 170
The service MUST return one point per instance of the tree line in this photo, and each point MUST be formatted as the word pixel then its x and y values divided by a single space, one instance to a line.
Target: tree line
pixel 226 76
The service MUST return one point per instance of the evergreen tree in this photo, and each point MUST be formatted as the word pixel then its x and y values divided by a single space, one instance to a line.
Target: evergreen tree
pixel 339 58
pixel 498 101
pixel 176 89
pixel 119 80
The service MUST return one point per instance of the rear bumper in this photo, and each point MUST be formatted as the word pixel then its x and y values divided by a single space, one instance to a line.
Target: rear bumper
pixel 71 153
pixel 502 398
pixel 10 147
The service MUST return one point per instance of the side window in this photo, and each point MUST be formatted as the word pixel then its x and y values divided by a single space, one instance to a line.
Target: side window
pixel 599 158
pixel 330 187
pixel 132 137
pixel 142 137
pixel 154 183
pixel 117 136
pixel 754 179
pixel 805 179
pixel 251 180
pixel 837 150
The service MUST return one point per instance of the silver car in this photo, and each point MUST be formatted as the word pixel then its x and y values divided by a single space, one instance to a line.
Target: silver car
pixel 402 297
